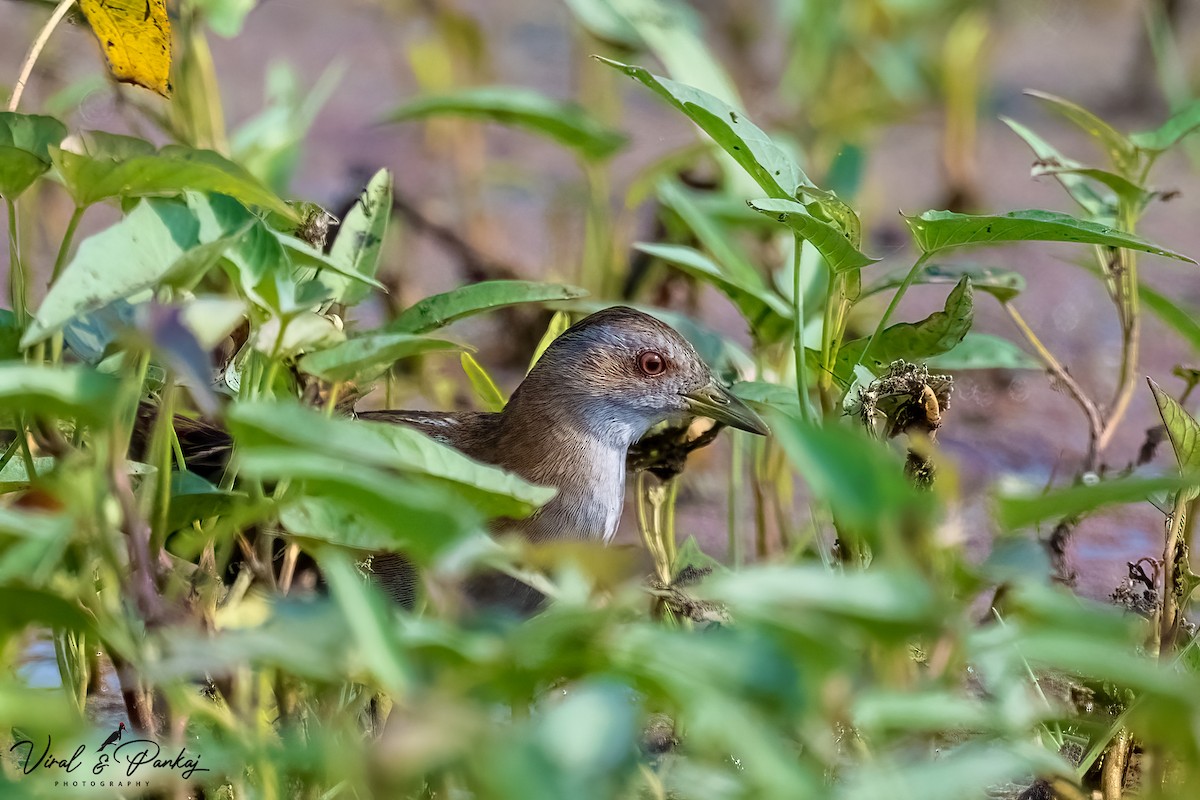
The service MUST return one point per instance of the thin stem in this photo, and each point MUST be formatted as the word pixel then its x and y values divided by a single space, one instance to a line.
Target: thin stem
pixel 798 337
pixel 913 272
pixel 1095 423
pixel 64 249
pixel 16 270
pixel 35 50
pixel 735 491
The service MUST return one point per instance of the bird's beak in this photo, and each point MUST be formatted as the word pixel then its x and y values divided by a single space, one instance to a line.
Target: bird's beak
pixel 715 402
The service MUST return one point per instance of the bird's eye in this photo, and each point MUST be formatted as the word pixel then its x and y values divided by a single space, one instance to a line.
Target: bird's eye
pixel 652 363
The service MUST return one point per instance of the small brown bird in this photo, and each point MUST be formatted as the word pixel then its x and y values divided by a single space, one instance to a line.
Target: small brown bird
pixel 596 390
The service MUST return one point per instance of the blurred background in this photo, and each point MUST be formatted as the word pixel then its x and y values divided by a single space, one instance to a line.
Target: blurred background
pixel 893 103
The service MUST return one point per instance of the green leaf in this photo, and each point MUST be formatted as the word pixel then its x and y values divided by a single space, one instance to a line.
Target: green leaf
pixel 193 498
pixel 63 392
pixel 365 358
pixel 1182 123
pixel 767 314
pixel 442 309
pixel 360 238
pixel 559 323
pixel 1127 190
pixel 369 619
pixel 938 333
pixel 25 142
pixel 833 245
pixel 768 164
pixel 1122 151
pixel 1019 511
pixel 173 170
pixel 388 446
pixel 984 351
pixel 1182 320
pixel 159 241
pixel 712 236
pixel 15 476
pixel 938 230
pixel 1182 429
pixel 600 19
pixel 523 108
pixel 485 388
pixel 1003 284
pixel 1080 190
pixel 771 395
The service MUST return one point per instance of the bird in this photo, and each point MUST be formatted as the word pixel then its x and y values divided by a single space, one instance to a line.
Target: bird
pixel 596 390
pixel 113 737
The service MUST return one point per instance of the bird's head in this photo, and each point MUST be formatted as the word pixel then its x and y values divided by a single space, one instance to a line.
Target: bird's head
pixel 623 369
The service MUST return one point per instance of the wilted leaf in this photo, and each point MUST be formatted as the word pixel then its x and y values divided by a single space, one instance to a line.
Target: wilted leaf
pixel 833 245
pixel 365 358
pixel 524 108
pixel 135 37
pixel 938 230
pixel 442 309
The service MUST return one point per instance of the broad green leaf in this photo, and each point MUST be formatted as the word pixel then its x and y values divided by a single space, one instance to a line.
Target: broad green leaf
pixel 833 245
pixel 880 712
pixel 369 619
pixel 767 314
pixel 771 395
pixel 65 392
pixel 714 237
pixel 360 238
pixel 25 142
pixel 135 37
pixel 194 498
pixel 900 598
pixel 365 358
pixel 984 351
pixel 485 388
pixel 863 483
pixel 524 108
pixel 1122 151
pixel 1182 429
pixel 442 309
pixel 159 241
pixel 769 165
pixel 1182 320
pixel 1020 510
pixel 938 333
pixel 1182 123
pixel 173 170
pixel 14 475
pixel 388 446
pixel 24 607
pixel 1003 284
pixel 302 254
pixel 938 230
pixel 559 323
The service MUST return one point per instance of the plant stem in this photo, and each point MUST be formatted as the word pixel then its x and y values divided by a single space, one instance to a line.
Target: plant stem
pixel 1095 423
pixel 16 270
pixel 35 50
pixel 798 336
pixel 64 249
pixel 913 272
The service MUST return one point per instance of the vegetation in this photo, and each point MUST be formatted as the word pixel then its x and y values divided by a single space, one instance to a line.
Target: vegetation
pixel 856 653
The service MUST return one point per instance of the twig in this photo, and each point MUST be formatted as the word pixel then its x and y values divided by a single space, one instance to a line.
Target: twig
pixel 476 266
pixel 35 50
pixel 1095 422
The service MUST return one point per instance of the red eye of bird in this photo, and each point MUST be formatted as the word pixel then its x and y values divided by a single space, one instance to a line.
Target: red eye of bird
pixel 652 363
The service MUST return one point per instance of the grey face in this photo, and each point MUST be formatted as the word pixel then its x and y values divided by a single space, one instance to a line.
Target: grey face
pixel 630 361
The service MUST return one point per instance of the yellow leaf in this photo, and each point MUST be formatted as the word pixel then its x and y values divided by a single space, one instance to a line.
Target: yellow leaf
pixel 135 36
